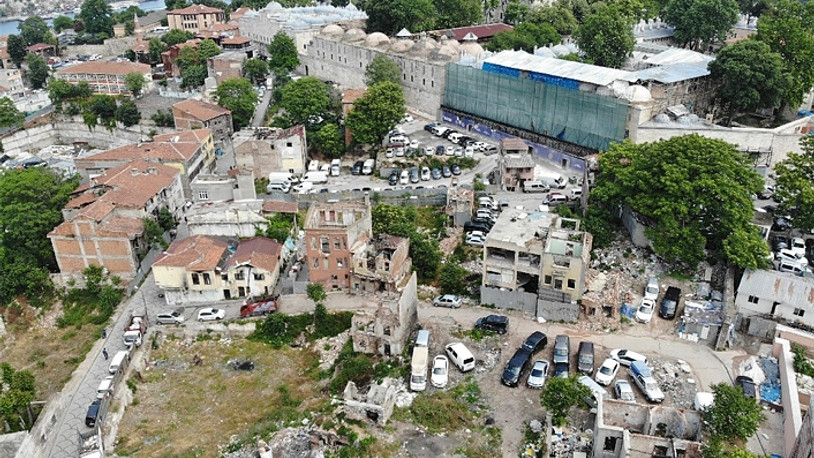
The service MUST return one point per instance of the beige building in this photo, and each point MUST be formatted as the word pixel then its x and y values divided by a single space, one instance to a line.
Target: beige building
pixel 104 219
pixel 268 149
pixel 198 114
pixel 195 18
pixel 105 77
pixel 385 329
pixel 516 163
pixel 11 79
pixel 381 265
pixel 536 263
pixel 204 269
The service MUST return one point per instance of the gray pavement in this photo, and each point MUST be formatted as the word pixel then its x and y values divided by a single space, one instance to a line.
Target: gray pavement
pixel 261 109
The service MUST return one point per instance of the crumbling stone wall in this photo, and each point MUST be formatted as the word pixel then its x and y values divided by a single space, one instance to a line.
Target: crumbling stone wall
pixel 557 311
pixel 512 300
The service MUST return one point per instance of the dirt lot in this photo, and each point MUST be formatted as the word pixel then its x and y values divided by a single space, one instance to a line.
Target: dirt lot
pixel 34 343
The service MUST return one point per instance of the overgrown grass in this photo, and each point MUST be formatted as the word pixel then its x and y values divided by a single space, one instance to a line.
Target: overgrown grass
pixel 449 410
pixel 279 330
pixel 474 334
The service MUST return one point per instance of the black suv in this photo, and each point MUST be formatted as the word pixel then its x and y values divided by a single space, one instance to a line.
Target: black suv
pixel 357 168
pixel 669 305
pixel 93 413
pixel 393 179
pixel 535 342
pixel 496 323
pixel 470 226
pixel 516 368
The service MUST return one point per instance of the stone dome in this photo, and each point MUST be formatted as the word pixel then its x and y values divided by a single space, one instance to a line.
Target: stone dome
pixel 355 35
pixel 560 50
pixel 544 52
pixel 472 48
pixel 332 30
pixel 376 39
pixel 454 44
pixel 661 118
pixel 423 46
pixel 401 46
pixel 638 93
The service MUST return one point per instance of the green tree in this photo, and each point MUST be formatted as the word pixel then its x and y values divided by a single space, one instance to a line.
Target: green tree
pixel 134 82
pixel 126 15
pixel 17 391
pixel 33 30
pixel 175 36
pixel 693 192
pixel 751 77
pixel 382 68
pixel 718 449
pixel 390 16
pixel 127 113
pixel 237 95
pixel 156 47
pixel 163 118
pixel 61 23
pixel 560 394
pixel 283 56
pixel 516 12
pixel 787 28
pixel 192 76
pixel 452 279
pixel 97 16
pixel 733 416
pixel 316 292
pixel 37 71
pixel 305 99
pixel 557 15
pixel 154 234
pixel 10 116
pixel 17 49
pixel 103 105
pixel 606 37
pixel 208 48
pixel 457 13
pixel 526 36
pixel 279 227
pixel 188 56
pixel 256 70
pixel 328 140
pixel 175 4
pixel 376 113
pixel 402 222
pixel 165 219
pixel 700 22
pixel 795 185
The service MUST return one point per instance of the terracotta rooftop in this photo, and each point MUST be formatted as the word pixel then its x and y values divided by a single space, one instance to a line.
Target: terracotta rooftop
pixel 40 47
pixel 238 13
pixel 200 110
pixel 196 9
pixel 197 253
pixel 102 67
pixel 481 31
pixel 234 40
pixel 350 95
pixel 115 227
pixel 513 144
pixel 260 252
pixel 173 147
pixel 279 206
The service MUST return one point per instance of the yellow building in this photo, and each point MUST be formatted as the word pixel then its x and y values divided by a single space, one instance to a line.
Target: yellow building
pixel 195 18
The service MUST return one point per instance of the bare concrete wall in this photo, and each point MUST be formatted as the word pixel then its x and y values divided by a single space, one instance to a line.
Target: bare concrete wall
pixel 512 300
pixel 789 395
pixel 557 311
pixel 112 46
pixel 804 447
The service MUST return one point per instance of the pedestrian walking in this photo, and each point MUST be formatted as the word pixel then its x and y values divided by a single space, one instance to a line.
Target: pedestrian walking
pixel 104 353
pixel 104 333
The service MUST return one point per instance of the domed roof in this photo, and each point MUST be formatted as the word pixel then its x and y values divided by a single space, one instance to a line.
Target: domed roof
pixel 544 52
pixel 424 46
pixel 638 93
pixel 355 35
pixel 454 44
pixel 332 30
pixel 662 118
pixel 401 46
pixel 472 48
pixel 560 50
pixel 376 39
pixel 572 47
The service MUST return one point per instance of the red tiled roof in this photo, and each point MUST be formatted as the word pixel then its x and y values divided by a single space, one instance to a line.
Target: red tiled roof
pixel 101 67
pixel 135 183
pixel 480 31
pixel 200 110
pixel 39 47
pixel 279 206
pixel 260 252
pixel 196 253
pixel 196 9
pixel 350 95
pixel 176 146
pixel 234 40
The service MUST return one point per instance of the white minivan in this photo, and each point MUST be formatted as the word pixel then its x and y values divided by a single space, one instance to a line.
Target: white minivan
pixel 336 166
pixel 460 356
pixel 118 361
pixel 535 186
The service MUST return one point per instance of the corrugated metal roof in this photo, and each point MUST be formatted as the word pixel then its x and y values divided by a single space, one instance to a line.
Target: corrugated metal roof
pixel 782 287
pixel 576 71
pixel 672 56
pixel 519 161
pixel 673 73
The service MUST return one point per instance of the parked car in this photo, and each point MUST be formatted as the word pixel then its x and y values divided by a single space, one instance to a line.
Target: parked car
pixel 174 317
pixel 555 198
pixel 645 311
pixel 414 176
pixel 779 242
pixel 447 300
pixel 446 172
pixel 393 179
pixel 623 391
pixel 211 314
pixel 538 374
pixel 781 224
pixel 460 356
pixel 562 349
pixel 455 169
pixel 607 372
pixel 798 245
pixel 585 357
pixel 439 150
pixel 436 174
pixel 92 415
pixel 789 254
pixel 487 221
pixel 561 370
pixel 404 178
pixel 625 357
pixel 425 173
pixel 669 305
pixel 440 371
pixel 535 342
pixel 475 238
pixel 747 385
pixel 516 368
pixel 495 323
pixel 471 226
pixel 428 127
pixel 651 291
pixel 357 168
pixel 643 378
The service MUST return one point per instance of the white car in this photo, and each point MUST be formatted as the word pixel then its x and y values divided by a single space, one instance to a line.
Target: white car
pixel 407 118
pixel 788 254
pixel 469 151
pixel 405 177
pixel 211 314
pixel 623 391
pixel 440 371
pixel 798 245
pixel 459 151
pixel 607 372
pixel 447 300
pixel 425 174
pixel 414 144
pixel 480 146
pixel 538 374
pixel 651 291
pixel 475 241
pixel 449 151
pixel 625 357
pixel 645 311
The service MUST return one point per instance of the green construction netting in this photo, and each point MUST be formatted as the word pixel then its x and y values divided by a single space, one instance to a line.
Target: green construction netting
pixel 579 117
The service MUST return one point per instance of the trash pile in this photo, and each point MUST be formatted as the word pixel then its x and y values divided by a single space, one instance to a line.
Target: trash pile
pixel 566 441
pixel 329 348
pixel 702 317
pixel 770 389
pixel 676 382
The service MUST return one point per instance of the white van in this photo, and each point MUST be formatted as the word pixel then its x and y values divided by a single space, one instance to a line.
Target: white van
pixel 118 361
pixel 791 266
pixel 553 179
pixel 313 165
pixel 336 166
pixel 283 176
pixel 455 137
pixel 418 369
pixel 439 130
pixel 279 186
pixel 460 356
pixel 597 391
pixel 535 186
pixel 367 169
pixel 423 338
pixel 105 387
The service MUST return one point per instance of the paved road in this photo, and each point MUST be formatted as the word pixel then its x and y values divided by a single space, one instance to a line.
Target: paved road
pixel 260 110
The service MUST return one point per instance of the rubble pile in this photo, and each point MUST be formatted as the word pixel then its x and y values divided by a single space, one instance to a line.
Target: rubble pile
pixel 676 382
pixel 329 348
pixel 489 357
pixel 566 441
pixel 447 245
pixel 770 389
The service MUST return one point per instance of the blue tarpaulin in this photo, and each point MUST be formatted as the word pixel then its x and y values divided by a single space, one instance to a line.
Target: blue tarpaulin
pixel 770 388
pixel 628 310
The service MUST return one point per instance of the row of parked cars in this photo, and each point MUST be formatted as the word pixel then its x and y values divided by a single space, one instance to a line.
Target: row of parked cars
pixel 793 255
pixel 417 174
pixel 467 143
pixel 486 215
pixel 669 302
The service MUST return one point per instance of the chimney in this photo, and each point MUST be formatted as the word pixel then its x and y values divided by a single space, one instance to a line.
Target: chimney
pixel 152 171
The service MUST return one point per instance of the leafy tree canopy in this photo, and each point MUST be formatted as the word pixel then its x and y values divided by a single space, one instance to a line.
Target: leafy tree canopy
pixel 558 16
pixel 208 48
pixel 17 49
pixel 283 56
pixel 127 113
pixel 175 36
pixel 526 36
pixel 457 13
pixel 17 390
pixel 390 16
pixel 126 15
pixel 382 68
pixel 135 83
pixel 795 185
pixel 733 416
pixel 560 394
pixel 256 69
pixel 700 22
pixel 376 113
pixel 402 221
pixel 328 140
pixel 306 98
pixel 62 22
pixel 751 75
pixel 606 37
pixel 693 192
pixel 237 95
pixel 193 76
pixel 33 30
pixel 279 227
pixel 37 70
pixel 97 15
pixel 10 116
pixel 156 47
pixel 516 12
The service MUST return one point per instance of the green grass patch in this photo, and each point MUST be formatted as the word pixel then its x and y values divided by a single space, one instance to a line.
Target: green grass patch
pixel 474 334
pixel 445 410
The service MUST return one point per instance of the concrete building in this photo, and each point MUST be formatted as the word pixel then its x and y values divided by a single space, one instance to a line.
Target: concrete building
pixel 210 269
pixel 268 149
pixel 627 430
pixel 385 329
pixel 105 77
pixel 333 232
pixel 381 265
pixel 804 445
pixel 536 263
pixel 226 65
pixel 225 205
pixel 781 295
pixel 194 18
pixel 103 222
pixel 12 80
pixel 189 151
pixel 516 164
pixel 198 114
pixel 236 185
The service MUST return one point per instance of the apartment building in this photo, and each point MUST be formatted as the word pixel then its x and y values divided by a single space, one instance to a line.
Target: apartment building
pixel 195 18
pixel 386 328
pixel 516 164
pixel 268 149
pixel 105 77
pixel 198 114
pixel 333 232
pixel 103 222
pixel 382 264
pixel 536 263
